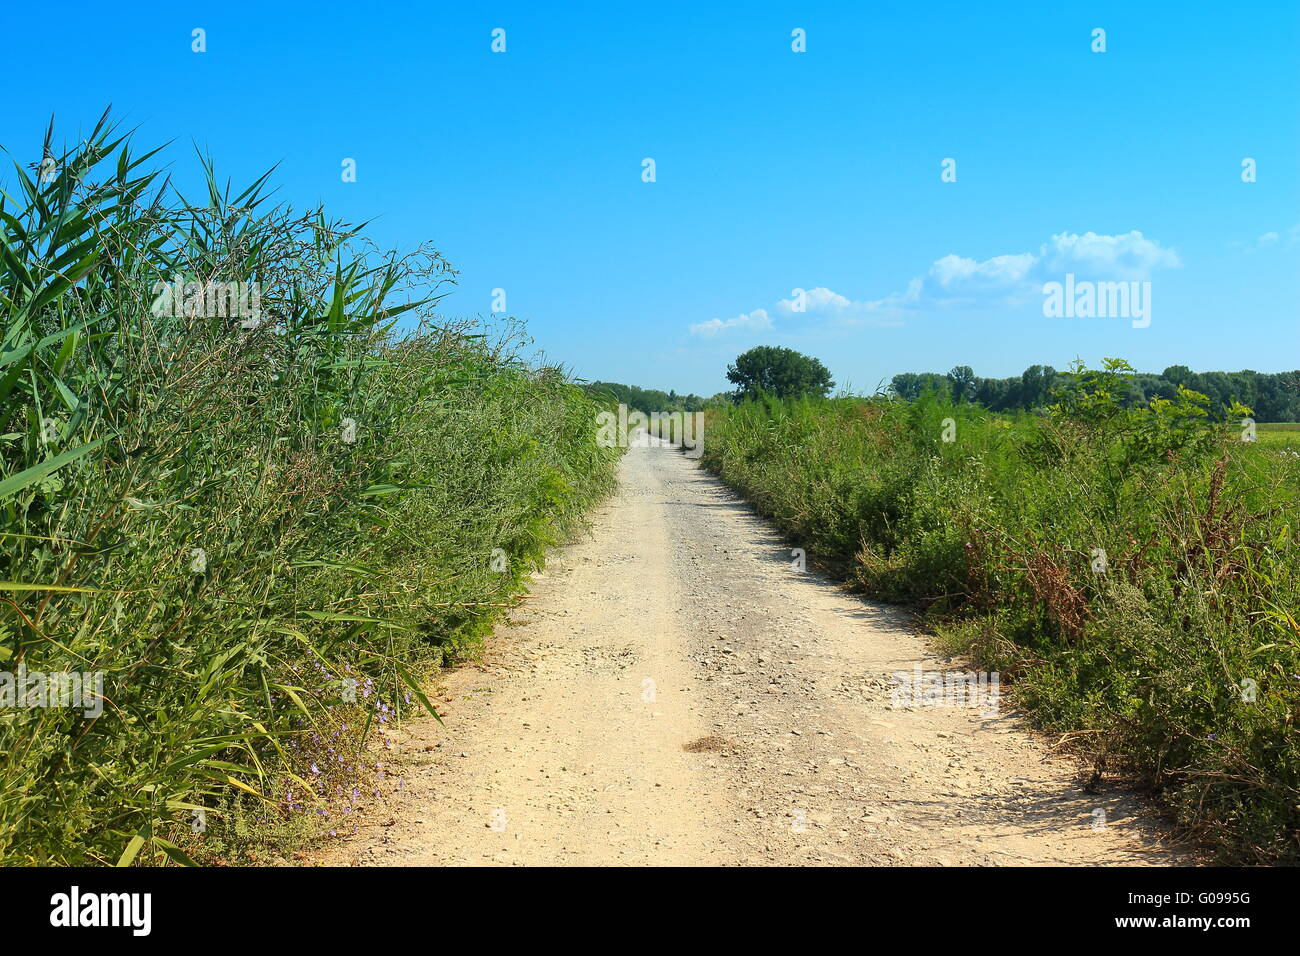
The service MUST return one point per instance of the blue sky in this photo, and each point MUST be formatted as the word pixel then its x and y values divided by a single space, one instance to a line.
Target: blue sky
pixel 775 170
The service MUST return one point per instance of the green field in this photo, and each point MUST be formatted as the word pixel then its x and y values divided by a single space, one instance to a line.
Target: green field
pixel 1281 434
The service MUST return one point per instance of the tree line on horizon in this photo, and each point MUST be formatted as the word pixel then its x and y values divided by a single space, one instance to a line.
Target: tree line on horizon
pixel 785 373
pixel 1272 397
pixel 649 399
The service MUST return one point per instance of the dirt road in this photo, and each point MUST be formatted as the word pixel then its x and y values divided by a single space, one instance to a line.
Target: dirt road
pixel 680 692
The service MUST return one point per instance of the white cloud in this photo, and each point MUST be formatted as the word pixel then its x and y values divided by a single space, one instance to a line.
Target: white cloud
pixel 816 300
pixel 961 282
pixel 1114 258
pixel 749 321
pixel 957 272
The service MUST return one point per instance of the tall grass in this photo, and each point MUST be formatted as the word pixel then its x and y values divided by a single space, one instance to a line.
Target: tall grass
pixel 260 530
pixel 1175 657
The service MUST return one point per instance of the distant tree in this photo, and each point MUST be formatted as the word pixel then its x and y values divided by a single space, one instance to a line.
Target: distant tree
pixel 995 393
pixel 906 385
pixel 778 371
pixel 962 379
pixel 1243 387
pixel 911 385
pixel 1135 394
pixel 1036 383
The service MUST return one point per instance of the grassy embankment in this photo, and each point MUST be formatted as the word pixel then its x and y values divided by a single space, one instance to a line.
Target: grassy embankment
pixel 261 530
pixel 1177 659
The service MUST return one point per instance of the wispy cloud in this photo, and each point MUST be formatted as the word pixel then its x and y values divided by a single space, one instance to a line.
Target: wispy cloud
pixel 1286 239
